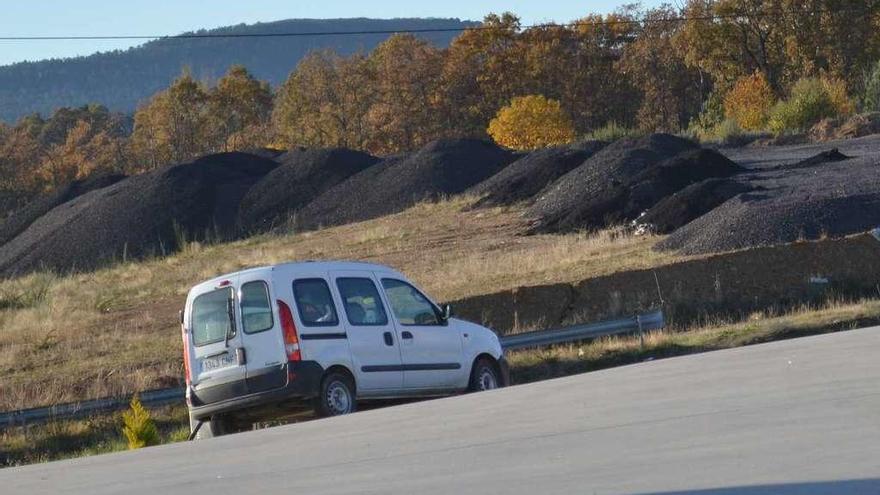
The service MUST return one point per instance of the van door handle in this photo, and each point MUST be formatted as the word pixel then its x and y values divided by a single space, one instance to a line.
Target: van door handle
pixel 389 340
pixel 406 335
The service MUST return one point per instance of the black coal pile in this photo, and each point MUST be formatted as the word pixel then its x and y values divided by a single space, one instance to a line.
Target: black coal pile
pixel 623 180
pixel 788 205
pixel 29 213
pixel 142 215
pixel 830 156
pixel 690 203
pixel 526 177
pixel 302 176
pixel 443 167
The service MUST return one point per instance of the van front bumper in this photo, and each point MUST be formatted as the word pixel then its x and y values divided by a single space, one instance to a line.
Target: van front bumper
pixel 292 380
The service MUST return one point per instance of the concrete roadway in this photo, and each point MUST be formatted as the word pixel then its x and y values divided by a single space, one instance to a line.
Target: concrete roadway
pixel 791 418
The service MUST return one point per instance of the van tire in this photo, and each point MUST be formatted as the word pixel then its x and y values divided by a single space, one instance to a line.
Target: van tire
pixel 484 376
pixel 336 396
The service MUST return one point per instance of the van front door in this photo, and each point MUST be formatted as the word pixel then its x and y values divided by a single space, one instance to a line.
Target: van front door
pixel 430 347
pixel 375 350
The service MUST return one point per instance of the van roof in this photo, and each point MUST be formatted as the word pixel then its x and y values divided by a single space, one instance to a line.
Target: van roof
pixel 320 265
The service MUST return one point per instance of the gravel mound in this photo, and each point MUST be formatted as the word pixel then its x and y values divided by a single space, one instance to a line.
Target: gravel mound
pixel 302 176
pixel 442 167
pixel 624 179
pixel 143 215
pixel 830 156
pixel 834 200
pixel 530 174
pixel 20 219
pixel 688 204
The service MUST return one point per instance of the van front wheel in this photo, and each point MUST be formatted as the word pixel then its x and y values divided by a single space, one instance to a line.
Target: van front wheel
pixel 336 396
pixel 484 376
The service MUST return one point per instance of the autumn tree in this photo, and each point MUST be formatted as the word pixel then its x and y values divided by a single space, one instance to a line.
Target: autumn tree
pixel 749 102
pixel 173 126
pixel 670 90
pixel 406 103
pixel 239 107
pixel 530 122
pixel 325 102
pixel 84 152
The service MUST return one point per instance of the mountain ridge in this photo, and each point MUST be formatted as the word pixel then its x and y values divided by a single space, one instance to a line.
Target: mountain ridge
pixel 121 79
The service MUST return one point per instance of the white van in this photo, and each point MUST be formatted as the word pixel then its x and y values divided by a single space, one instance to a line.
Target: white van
pixel 324 333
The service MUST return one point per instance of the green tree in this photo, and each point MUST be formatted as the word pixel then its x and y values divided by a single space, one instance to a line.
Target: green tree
pixel 138 427
pixel 530 122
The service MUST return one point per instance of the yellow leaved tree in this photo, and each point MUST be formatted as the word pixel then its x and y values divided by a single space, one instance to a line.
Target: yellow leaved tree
pixel 530 122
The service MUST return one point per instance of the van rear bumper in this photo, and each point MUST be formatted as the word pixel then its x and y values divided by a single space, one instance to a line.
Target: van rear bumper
pixel 302 380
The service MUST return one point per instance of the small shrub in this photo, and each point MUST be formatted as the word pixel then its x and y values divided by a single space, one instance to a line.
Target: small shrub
pixel 702 127
pixel 871 98
pixel 749 102
pixel 809 103
pixel 840 100
pixel 611 131
pixel 531 122
pixel 138 427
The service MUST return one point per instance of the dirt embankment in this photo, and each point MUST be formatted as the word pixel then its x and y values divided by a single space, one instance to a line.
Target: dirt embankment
pixel 730 284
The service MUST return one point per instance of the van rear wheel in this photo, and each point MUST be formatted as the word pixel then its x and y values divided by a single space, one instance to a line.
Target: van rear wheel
pixel 336 396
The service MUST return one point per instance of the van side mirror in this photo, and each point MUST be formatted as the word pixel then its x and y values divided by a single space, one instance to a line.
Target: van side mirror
pixel 180 317
pixel 447 312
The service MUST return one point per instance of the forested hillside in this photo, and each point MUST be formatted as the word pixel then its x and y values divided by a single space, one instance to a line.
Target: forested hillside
pixel 121 79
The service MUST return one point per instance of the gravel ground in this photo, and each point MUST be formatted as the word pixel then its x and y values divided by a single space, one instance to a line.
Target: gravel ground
pixel 302 176
pixel 800 203
pixel 443 167
pixel 526 177
pixel 138 216
pixel 22 218
pixel 618 183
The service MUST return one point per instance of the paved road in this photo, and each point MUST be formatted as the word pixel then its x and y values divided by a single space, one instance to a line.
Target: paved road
pixel 794 417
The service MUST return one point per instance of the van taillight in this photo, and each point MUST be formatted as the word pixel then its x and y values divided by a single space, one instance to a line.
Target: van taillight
pixel 291 340
pixel 185 355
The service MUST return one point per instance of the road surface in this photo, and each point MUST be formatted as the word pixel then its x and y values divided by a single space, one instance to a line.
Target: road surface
pixel 793 417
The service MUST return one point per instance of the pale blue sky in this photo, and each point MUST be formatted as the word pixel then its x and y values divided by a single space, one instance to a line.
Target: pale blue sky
pixel 169 17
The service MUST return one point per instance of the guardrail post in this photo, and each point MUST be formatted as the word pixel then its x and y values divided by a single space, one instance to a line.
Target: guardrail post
pixel 641 332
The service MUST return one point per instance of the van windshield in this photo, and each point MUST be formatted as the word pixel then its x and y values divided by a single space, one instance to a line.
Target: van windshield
pixel 212 317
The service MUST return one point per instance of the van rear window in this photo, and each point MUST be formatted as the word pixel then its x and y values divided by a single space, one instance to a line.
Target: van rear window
pixel 256 310
pixel 212 317
pixel 314 303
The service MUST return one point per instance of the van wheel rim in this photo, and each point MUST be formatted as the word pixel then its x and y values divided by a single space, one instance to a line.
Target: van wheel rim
pixel 338 398
pixel 487 379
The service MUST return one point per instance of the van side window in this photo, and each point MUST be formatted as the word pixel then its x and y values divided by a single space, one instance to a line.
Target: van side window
pixel 212 317
pixel 408 304
pixel 256 310
pixel 362 303
pixel 314 303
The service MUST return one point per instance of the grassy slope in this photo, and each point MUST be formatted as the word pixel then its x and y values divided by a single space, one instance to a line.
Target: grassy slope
pixel 114 331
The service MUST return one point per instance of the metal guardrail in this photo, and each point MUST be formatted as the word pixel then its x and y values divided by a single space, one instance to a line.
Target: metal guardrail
pixel 653 320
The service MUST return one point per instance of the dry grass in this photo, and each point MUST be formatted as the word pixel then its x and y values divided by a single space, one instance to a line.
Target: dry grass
pixel 540 364
pixel 114 331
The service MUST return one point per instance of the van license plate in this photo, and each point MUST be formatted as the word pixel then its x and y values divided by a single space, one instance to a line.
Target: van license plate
pixel 217 362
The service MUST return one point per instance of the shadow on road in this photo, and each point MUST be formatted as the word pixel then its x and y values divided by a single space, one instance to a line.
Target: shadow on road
pixel 859 486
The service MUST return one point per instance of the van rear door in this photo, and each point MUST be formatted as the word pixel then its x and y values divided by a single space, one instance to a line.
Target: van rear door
pixel 218 371
pixel 261 333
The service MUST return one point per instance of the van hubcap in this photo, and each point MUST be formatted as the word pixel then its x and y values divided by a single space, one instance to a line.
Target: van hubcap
pixel 338 398
pixel 487 379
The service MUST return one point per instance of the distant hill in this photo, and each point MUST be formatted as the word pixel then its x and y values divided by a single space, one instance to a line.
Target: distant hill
pixel 121 79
